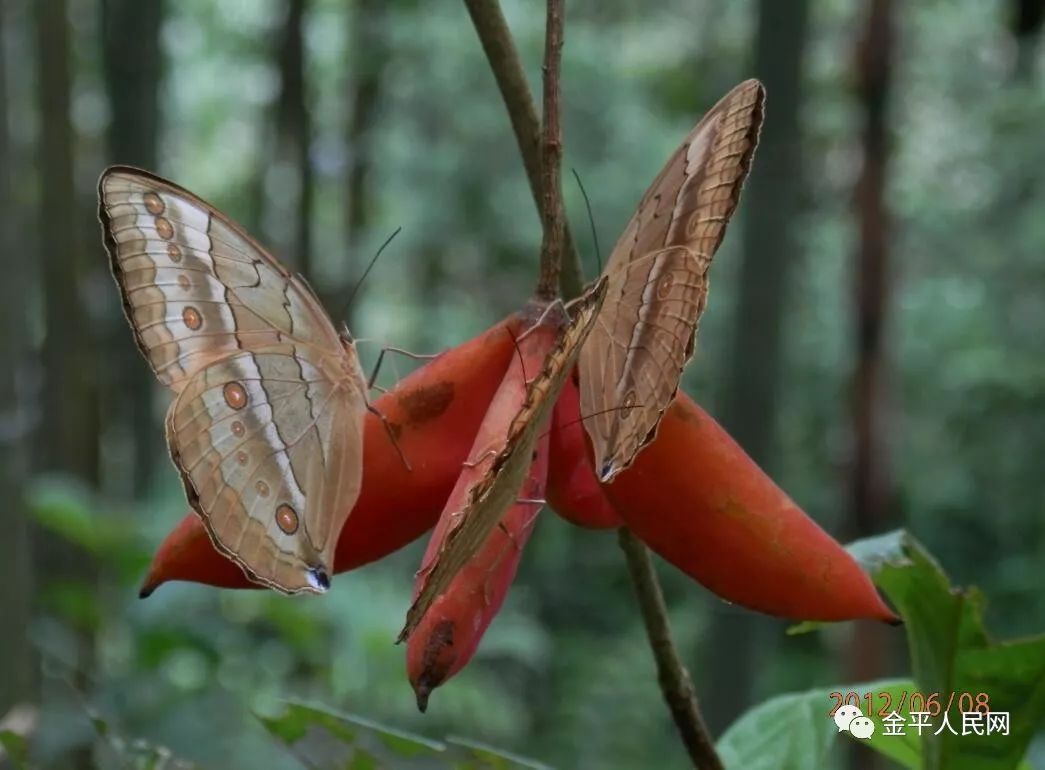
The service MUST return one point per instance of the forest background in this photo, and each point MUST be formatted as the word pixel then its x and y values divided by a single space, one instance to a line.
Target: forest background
pixel 872 337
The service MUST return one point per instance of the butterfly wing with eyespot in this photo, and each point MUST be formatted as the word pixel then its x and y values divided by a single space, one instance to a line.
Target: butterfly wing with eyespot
pixel 269 397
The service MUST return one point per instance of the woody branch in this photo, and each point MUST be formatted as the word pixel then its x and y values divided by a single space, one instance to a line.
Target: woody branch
pixel 542 158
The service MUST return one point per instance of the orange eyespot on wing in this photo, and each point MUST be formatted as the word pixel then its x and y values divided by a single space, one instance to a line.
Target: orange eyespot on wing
pixel 260 375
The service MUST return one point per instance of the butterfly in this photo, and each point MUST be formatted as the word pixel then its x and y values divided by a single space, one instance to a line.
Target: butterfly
pixel 266 426
pixel 493 494
pixel 632 362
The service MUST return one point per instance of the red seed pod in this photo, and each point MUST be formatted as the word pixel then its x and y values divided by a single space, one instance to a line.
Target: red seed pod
pixel 697 499
pixel 573 490
pixel 449 632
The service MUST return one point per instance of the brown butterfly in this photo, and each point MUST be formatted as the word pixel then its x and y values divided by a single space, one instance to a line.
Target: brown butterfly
pixel 497 490
pixel 632 362
pixel 266 429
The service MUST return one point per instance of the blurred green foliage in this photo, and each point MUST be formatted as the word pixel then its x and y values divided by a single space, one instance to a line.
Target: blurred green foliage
pixel 564 675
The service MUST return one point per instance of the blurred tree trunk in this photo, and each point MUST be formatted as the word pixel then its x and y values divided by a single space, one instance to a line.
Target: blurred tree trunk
pixel 67 441
pixel 294 130
pixel 871 488
pixel 769 254
pixel 18 670
pixel 133 64
pixel 873 499
pixel 1028 17
pixel 368 56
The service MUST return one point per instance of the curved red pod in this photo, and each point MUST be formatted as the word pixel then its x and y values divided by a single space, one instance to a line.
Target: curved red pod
pixel 434 413
pixel 697 499
pixel 448 634
pixel 573 490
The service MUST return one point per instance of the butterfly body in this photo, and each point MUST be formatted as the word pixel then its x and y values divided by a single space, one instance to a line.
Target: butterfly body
pixel 266 426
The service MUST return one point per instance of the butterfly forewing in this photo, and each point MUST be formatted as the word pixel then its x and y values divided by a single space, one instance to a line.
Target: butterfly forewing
pixel 194 284
pixel 266 429
pixel 498 489
pixel 632 362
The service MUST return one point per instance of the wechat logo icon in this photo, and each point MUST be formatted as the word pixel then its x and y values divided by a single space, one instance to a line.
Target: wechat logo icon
pixel 850 719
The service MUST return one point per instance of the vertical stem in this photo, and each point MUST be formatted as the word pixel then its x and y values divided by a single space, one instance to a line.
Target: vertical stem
pixel 504 61
pixel 551 159
pixel 675 684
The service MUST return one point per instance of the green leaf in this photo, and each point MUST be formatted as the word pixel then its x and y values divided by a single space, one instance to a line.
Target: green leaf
pixel 952 656
pixel 323 738
pixel 788 732
pixel 15 749
pixel 137 754
pixel 952 653
pixel 794 731
pixel 483 756
pixel 892 697
pixel 67 509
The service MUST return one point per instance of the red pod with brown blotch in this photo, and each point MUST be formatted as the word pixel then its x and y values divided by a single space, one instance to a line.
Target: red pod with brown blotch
pixel 449 632
pixel 433 413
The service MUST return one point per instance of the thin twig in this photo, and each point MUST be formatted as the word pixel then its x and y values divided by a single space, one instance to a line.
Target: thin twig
pixel 675 684
pixel 672 676
pixel 551 158
pixel 507 69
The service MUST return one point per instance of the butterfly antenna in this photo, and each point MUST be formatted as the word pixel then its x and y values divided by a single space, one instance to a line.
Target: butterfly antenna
pixel 591 219
pixel 366 272
pixel 589 416
pixel 390 432
pixel 518 350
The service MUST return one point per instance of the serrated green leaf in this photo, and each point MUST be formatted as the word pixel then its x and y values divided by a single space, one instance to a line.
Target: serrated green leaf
pixel 952 654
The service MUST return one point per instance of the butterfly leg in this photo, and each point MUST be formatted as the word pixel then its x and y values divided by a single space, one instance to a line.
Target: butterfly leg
pixel 391 434
pixel 424 571
pixel 381 357
pixel 529 501
pixel 512 544
pixel 526 525
pixel 483 456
